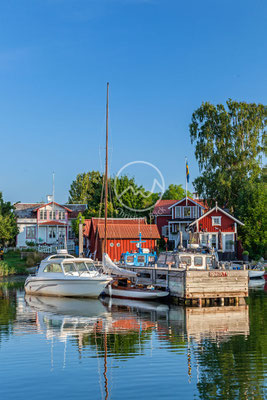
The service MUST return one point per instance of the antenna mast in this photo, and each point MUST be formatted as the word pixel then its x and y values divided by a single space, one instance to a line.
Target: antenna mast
pixel 106 177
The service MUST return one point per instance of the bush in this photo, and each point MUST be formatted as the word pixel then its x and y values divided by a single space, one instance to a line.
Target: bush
pixel 245 253
pixel 33 258
pixel 5 269
pixel 30 243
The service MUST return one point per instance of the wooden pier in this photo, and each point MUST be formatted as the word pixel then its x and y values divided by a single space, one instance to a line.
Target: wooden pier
pixel 210 287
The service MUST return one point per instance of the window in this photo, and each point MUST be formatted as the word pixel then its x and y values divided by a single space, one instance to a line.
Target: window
pixel 208 261
pixel 111 244
pixel 151 259
pixel 54 268
pixel 213 241
pixel 205 239
pixel 52 233
pixel 216 221
pixel 174 228
pixel 91 266
pixel 198 261
pixel 30 232
pixel 130 259
pixel 54 215
pixel 41 214
pixel 177 212
pixel 69 268
pixel 187 212
pixel 118 244
pixel 185 260
pixel 141 259
pixel 194 212
pixel 229 242
pixel 61 232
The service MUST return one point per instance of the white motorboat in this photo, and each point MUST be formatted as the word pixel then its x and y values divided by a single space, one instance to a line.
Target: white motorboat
pixel 256 283
pixel 62 274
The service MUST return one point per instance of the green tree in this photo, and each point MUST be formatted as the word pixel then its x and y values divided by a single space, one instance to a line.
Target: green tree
pixel 251 210
pixel 229 142
pixel 124 195
pixel 8 224
pixel 175 192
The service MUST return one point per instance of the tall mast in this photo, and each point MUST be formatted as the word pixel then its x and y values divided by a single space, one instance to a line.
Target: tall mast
pixel 106 177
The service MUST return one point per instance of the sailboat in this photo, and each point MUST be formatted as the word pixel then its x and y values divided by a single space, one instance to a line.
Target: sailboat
pixel 122 286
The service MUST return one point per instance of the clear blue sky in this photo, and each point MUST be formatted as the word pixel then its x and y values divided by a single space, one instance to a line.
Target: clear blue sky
pixel 162 59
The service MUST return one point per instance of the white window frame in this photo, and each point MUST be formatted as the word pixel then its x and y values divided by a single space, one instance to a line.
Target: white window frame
pixel 187 216
pixel 177 214
pixel 225 242
pixel 214 223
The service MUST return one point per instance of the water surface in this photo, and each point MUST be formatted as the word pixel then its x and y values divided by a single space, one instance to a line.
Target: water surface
pixel 101 349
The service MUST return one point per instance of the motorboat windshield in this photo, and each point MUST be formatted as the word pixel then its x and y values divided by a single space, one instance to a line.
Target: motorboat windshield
pixel 78 268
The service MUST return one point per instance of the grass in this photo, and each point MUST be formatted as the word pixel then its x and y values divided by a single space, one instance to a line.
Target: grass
pixel 12 264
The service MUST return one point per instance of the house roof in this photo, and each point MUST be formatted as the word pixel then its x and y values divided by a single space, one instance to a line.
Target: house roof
pixel 28 210
pixel 128 231
pixel 216 208
pixel 52 202
pixel 198 202
pixel 162 207
pixel 52 223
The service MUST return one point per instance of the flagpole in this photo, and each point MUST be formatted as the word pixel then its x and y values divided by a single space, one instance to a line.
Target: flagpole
pixel 185 182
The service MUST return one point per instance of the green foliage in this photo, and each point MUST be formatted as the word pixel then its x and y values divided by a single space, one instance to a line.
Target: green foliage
pixel 251 210
pixel 124 195
pixel 229 142
pixel 6 270
pixel 175 192
pixel 30 243
pixel 8 225
pixel 75 224
pixel 34 258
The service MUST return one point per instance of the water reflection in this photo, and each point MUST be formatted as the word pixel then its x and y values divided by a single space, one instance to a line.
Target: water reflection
pixel 221 351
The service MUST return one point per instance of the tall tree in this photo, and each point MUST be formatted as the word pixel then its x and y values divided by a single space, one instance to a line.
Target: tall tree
pixel 229 142
pixel 126 198
pixel 8 225
pixel 175 192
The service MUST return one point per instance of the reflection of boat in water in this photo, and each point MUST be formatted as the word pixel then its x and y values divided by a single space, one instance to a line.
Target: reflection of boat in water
pixel 256 283
pixel 62 317
pixel 64 275
pixel 135 304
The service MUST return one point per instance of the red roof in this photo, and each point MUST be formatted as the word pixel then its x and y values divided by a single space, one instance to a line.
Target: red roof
pixel 130 231
pixel 52 223
pixel 87 226
pixel 162 207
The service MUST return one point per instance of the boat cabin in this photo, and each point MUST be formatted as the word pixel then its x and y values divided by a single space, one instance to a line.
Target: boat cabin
pixel 197 260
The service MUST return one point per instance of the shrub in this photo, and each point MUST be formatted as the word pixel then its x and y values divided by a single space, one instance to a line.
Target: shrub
pixel 33 259
pixel 5 269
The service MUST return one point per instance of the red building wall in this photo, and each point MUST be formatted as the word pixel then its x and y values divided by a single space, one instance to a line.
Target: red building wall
pixel 161 221
pixel 227 223
pixel 115 251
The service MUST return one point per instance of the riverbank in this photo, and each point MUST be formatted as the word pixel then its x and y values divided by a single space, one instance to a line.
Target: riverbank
pixel 13 264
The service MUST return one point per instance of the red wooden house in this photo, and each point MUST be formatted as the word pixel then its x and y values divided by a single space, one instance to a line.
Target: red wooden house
pixel 120 234
pixel 162 215
pixel 217 228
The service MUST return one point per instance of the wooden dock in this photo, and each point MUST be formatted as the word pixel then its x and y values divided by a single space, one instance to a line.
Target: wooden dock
pixel 203 286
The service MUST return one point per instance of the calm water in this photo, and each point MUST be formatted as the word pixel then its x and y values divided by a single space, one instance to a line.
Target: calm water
pixel 91 349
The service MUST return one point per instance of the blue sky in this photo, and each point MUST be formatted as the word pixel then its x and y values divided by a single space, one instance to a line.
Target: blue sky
pixel 162 59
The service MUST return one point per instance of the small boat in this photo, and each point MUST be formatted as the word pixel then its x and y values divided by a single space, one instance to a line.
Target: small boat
pixel 141 258
pixel 62 274
pixel 256 272
pixel 124 289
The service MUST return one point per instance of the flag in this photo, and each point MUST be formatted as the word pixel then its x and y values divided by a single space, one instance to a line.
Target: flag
pixel 187 172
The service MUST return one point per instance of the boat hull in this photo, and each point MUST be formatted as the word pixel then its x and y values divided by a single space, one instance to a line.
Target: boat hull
pixel 66 288
pixel 135 294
